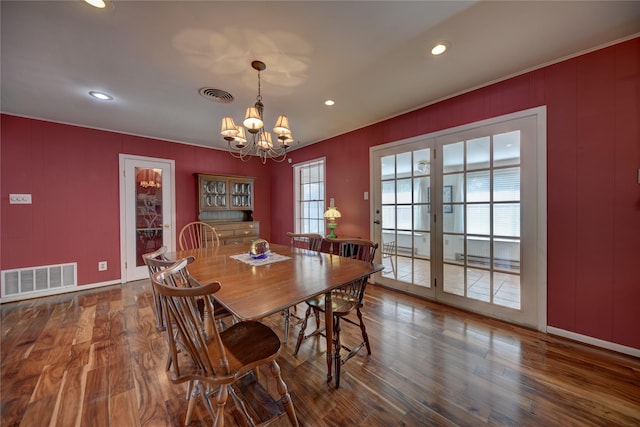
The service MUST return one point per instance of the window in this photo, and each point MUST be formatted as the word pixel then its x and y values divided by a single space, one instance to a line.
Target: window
pixel 309 196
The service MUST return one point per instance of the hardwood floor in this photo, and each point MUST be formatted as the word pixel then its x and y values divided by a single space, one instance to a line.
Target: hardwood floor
pixel 94 358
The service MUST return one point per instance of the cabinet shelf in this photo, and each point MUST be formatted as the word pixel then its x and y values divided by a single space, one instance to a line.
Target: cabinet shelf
pixel 226 202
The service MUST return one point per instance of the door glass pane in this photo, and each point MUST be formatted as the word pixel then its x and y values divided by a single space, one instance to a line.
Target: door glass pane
pixel 455 181
pixel 453 222
pixel 478 153
pixel 478 251
pixel 148 211
pixel 478 186
pixel 421 217
pixel 506 254
pixel 506 219
pixel 453 248
pixel 388 167
pixel 388 192
pixel 453 157
pixel 506 149
pixel 478 219
pixel 506 185
pixel 422 162
pixel 403 189
pixel 479 284
pixel 403 165
pixel 388 217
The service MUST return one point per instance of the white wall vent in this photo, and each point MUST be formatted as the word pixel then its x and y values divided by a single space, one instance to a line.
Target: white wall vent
pixel 25 281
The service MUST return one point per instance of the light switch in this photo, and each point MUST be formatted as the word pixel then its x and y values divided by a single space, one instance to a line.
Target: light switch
pixel 366 195
pixel 20 199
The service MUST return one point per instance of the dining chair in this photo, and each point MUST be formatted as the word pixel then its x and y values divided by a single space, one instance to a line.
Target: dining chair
pixel 389 251
pixel 309 241
pixel 156 261
pixel 211 359
pixel 198 234
pixel 344 301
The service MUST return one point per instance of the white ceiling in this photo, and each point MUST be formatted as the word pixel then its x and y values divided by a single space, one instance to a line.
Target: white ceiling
pixel 371 57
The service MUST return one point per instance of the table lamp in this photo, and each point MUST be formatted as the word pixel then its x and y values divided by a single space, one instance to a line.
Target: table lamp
pixel 332 213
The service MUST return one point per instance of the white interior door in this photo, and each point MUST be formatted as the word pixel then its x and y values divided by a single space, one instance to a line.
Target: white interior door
pixel 147 211
pixel 461 216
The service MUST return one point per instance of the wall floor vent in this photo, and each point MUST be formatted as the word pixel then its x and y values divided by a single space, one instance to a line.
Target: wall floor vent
pixel 24 281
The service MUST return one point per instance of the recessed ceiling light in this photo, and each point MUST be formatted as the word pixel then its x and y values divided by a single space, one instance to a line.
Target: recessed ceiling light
pixel 100 4
pixel 100 95
pixel 439 49
pixel 329 102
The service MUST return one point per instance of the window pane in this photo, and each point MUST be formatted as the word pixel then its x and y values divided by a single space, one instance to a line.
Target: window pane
pixel 506 184
pixel 421 217
pixel 478 153
pixel 422 162
pixel 421 189
pixel 388 217
pixel 506 219
pixel 404 217
pixel 456 182
pixel 478 185
pixel 404 190
pixel 453 222
pixel 403 165
pixel 478 220
pixel 388 192
pixel 453 249
pixel 506 149
pixel 453 157
pixel 388 167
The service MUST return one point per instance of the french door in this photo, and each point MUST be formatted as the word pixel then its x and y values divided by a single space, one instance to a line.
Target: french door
pixel 147 211
pixel 460 217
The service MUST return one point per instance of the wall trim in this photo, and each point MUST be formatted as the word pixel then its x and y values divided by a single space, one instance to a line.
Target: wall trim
pixel 594 341
pixel 57 291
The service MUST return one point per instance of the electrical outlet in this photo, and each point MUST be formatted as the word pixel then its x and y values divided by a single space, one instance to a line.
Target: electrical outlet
pixel 102 265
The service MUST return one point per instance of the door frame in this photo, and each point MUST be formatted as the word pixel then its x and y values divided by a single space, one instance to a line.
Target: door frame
pixel 540 114
pixel 123 206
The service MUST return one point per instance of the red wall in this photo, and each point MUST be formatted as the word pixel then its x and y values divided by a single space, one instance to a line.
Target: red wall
pixel 593 156
pixel 72 174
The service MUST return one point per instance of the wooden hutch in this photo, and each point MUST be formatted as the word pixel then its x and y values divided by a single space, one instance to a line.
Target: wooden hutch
pixel 226 203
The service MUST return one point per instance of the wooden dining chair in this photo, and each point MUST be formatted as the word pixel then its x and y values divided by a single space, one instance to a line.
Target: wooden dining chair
pixel 389 251
pixel 344 301
pixel 214 360
pixel 312 242
pixel 156 261
pixel 198 234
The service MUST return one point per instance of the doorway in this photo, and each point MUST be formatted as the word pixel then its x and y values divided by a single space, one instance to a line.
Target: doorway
pixel 461 216
pixel 147 211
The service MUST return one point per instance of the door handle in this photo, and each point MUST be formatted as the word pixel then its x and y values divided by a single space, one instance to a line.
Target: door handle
pixel 167 226
pixel 377 221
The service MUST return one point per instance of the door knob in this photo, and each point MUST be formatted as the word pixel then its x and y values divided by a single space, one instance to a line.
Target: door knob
pixel 167 226
pixel 377 221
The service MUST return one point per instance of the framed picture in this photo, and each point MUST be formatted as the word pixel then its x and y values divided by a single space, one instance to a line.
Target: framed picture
pixel 447 192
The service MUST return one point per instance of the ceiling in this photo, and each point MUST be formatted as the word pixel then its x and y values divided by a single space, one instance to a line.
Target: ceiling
pixel 371 57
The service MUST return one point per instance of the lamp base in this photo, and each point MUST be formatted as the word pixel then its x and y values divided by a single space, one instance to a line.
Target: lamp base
pixel 332 230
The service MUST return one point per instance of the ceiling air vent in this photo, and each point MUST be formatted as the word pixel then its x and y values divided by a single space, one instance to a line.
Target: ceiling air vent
pixel 216 95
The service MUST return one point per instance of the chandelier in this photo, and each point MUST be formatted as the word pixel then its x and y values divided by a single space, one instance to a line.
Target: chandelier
pixel 259 143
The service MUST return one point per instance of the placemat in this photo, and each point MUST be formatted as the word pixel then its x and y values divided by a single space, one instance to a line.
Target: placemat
pixel 270 259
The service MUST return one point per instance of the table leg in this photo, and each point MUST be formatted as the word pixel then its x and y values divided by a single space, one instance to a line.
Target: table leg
pixel 328 321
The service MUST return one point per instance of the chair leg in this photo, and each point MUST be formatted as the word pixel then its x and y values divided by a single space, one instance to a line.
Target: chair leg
pixel 192 393
pixel 302 329
pixel 287 319
pixel 221 400
pixel 282 390
pixel 336 344
pixel 365 336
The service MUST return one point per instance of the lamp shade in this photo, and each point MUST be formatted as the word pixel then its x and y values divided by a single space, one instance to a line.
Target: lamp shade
pixel 332 213
pixel 228 128
pixel 282 126
pixel 252 120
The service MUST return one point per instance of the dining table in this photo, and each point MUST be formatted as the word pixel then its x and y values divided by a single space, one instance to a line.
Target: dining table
pixel 254 288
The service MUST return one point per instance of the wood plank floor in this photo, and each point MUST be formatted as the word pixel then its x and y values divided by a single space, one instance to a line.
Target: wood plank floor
pixel 94 358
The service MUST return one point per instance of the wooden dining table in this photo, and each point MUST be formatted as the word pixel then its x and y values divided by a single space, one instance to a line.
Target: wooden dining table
pixel 252 292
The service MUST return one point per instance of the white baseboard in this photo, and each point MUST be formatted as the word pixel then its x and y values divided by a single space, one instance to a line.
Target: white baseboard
pixel 57 291
pixel 594 341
